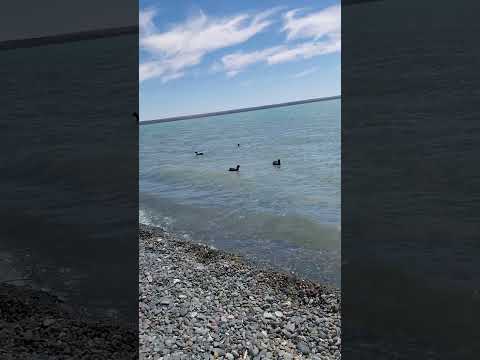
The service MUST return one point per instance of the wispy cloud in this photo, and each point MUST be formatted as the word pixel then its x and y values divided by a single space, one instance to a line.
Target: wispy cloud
pixel 326 22
pixel 145 21
pixel 322 28
pixel 304 73
pixel 185 44
pixel 305 50
pixel 234 63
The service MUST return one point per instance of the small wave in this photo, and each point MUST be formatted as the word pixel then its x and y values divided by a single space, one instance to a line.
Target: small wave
pixel 143 218
pixel 148 218
pixel 208 223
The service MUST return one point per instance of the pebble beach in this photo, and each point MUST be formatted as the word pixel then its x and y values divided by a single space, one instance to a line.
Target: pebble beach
pixel 196 302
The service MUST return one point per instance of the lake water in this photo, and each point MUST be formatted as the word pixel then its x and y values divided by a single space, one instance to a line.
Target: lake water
pixel 287 216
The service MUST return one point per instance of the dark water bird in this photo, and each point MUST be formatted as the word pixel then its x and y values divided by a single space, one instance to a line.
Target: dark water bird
pixel 234 169
pixel 238 145
pixel 136 116
pixel 277 162
pixel 198 153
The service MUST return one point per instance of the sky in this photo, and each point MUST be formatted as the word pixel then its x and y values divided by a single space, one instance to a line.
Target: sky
pixel 209 55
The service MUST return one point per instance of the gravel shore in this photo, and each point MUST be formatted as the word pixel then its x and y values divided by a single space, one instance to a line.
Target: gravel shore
pixel 37 325
pixel 200 303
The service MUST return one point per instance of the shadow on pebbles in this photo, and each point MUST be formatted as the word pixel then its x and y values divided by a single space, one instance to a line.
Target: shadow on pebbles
pixel 201 303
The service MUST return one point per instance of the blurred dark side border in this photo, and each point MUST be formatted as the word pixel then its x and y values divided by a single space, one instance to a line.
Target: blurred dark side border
pixel 68 38
pixel 69 186
pixel 410 180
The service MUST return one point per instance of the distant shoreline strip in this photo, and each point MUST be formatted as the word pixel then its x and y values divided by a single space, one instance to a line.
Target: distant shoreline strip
pixel 225 112
pixel 66 38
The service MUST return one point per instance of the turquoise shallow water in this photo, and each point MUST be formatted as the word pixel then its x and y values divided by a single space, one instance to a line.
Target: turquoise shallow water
pixel 287 216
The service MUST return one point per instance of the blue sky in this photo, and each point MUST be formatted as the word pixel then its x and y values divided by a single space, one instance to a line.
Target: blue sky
pixel 210 55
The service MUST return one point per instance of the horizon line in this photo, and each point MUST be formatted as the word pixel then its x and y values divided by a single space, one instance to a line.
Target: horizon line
pixel 239 110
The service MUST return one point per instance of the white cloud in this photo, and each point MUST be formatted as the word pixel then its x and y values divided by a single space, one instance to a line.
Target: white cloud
pixel 234 63
pixel 185 44
pixel 150 69
pixel 305 73
pixel 326 22
pixel 322 28
pixel 305 51
pixel 172 76
pixel 145 21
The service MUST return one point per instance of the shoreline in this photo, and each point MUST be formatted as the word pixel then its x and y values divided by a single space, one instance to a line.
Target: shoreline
pixel 209 304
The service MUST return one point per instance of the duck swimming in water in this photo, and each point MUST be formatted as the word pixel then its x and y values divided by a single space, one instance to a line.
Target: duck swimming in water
pixel 276 162
pixel 198 153
pixel 234 169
